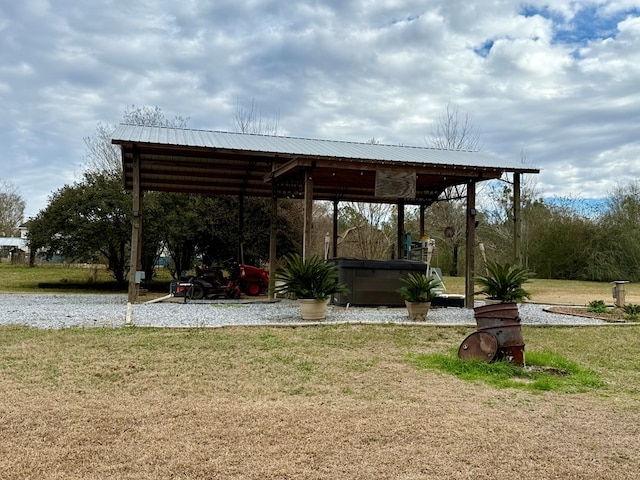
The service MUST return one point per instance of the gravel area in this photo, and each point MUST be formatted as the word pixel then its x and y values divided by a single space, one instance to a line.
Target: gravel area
pixel 86 310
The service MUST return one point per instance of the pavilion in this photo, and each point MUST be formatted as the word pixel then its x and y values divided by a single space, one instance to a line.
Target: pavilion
pixel 244 165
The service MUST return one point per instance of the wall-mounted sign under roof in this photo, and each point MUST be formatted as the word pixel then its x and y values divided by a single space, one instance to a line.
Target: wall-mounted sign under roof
pixel 395 184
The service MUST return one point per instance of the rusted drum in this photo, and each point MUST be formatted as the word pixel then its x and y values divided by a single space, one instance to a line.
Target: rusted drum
pixel 478 346
pixel 503 322
pixel 514 354
pixel 492 315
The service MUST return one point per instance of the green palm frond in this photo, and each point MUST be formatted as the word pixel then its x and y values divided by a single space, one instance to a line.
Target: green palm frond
pixel 504 281
pixel 418 287
pixel 308 278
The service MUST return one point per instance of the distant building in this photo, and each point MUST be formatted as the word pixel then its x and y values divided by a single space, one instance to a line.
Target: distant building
pixel 16 249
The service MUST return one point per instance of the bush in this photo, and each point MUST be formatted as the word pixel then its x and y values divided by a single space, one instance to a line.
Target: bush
pixel 597 306
pixel 631 311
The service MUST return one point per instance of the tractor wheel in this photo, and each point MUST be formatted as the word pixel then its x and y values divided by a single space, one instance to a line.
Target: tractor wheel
pixel 253 289
pixel 197 292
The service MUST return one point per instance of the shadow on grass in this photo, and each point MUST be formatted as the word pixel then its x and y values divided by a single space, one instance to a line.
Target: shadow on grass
pixel 101 287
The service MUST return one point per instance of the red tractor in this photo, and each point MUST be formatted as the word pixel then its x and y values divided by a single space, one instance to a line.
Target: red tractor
pixel 253 280
pixel 226 281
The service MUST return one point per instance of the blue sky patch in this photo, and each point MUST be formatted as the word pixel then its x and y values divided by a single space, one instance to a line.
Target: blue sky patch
pixel 484 49
pixel 588 23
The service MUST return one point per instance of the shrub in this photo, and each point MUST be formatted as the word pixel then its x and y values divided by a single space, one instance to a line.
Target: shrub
pixel 597 306
pixel 631 311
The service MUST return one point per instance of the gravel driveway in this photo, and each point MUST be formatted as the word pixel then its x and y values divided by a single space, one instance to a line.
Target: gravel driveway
pixel 86 310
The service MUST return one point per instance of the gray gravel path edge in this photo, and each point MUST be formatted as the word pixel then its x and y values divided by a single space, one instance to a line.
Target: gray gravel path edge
pixel 54 311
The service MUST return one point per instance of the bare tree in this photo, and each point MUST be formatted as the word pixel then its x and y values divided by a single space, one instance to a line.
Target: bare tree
pixel 152 117
pixel 248 119
pixel 369 234
pixel 11 209
pixel 103 157
pixel 497 199
pixel 454 131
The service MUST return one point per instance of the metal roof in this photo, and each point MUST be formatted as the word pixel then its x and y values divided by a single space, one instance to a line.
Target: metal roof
pixel 224 163
pixel 303 146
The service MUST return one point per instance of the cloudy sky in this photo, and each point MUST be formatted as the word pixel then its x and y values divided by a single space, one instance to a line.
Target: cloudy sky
pixel 558 80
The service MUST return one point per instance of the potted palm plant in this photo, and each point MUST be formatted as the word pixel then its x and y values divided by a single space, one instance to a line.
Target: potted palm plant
pixel 312 281
pixel 503 283
pixel 418 293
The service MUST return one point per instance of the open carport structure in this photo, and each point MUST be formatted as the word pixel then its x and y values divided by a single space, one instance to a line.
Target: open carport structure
pixel 222 163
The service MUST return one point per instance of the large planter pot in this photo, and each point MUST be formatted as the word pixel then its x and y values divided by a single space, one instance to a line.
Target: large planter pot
pixel 312 309
pixel 502 320
pixel 491 301
pixel 417 310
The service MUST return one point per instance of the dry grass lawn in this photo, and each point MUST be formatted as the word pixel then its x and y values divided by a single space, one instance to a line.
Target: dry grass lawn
pixel 333 402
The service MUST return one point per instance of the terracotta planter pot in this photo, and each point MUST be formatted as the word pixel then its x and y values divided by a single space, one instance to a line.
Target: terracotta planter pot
pixel 491 301
pixel 417 310
pixel 312 309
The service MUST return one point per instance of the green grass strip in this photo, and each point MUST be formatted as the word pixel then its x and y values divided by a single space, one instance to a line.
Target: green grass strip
pixel 544 371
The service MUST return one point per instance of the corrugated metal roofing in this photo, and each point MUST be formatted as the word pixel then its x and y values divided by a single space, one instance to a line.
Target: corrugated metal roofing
pixel 306 146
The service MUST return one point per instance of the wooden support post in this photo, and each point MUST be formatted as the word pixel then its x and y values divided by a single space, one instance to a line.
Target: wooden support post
pixel 334 243
pixel 135 260
pixel 401 252
pixel 517 221
pixel 308 213
pixel 240 254
pixel 422 209
pixel 273 244
pixel 470 250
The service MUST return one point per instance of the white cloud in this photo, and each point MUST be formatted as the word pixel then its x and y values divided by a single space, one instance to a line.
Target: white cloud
pixel 332 69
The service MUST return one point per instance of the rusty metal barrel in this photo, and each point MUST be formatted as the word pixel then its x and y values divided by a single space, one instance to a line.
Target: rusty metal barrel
pixel 502 320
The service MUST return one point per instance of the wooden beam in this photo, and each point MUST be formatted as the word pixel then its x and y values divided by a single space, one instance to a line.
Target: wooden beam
pixel 285 169
pixel 135 260
pixel 308 213
pixel 334 242
pixel 517 220
pixel 439 170
pixel 470 247
pixel 401 252
pixel 240 254
pixel 273 243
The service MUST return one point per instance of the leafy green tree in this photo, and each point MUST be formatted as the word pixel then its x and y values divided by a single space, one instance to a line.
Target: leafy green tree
pixel 561 242
pixel 180 218
pixel 616 251
pixel 221 237
pixel 89 221
pixel 191 225
pixel 104 158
